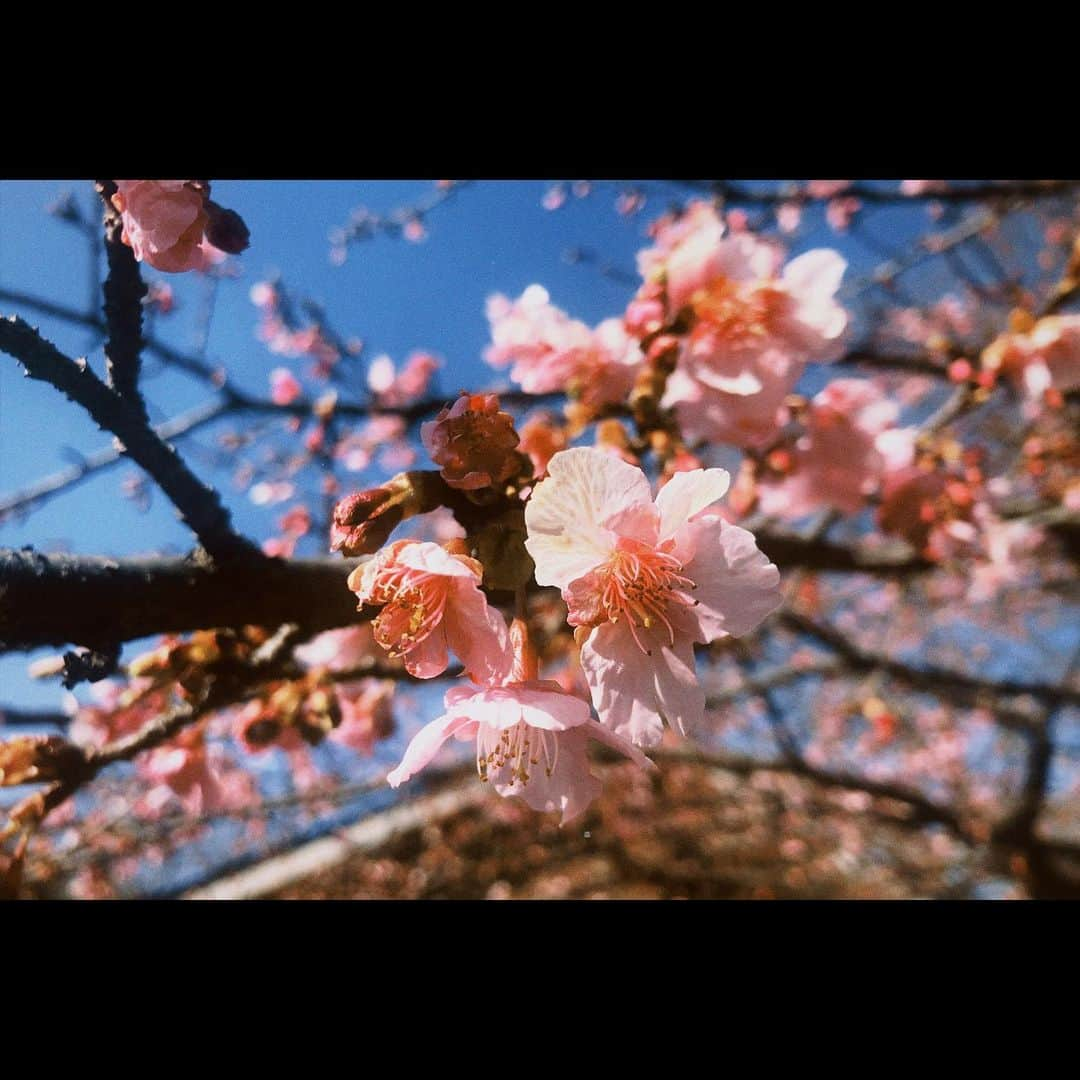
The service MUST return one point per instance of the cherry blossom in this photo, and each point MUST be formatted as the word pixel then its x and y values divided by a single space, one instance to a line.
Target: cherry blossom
pixel 285 388
pixel 531 737
pixel 395 388
pixel 431 602
pixel 645 579
pixel 837 461
pixel 550 351
pixel 164 221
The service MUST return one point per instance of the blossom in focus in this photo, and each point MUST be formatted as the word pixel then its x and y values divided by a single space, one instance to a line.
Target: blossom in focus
pixel 173 225
pixel 646 579
pixel 837 461
pixel 473 442
pixel 431 602
pixel 551 352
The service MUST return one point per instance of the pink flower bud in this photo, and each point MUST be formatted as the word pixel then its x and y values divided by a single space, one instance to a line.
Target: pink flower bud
pixel 473 442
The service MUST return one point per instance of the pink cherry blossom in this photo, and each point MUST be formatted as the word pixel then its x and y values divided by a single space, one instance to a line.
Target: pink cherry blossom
pixel 431 602
pixel 194 772
pixel 745 307
pixel 541 438
pixel 751 420
pixel 913 188
pixel 398 388
pixel 366 714
pixel 531 739
pixel 1009 547
pixel 285 388
pixel 648 579
pixel 164 222
pixel 826 189
pixel 337 650
pixel 836 462
pixel 550 351
pixel 931 508
pixel 741 297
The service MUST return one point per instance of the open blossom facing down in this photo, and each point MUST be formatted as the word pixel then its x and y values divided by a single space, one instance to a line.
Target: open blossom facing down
pixel 431 602
pixel 552 352
pixel 647 579
pixel 531 737
pixel 473 442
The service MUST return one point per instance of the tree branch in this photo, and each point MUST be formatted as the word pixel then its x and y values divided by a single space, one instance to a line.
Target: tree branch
pixel 200 507
pixel 124 292
pixel 56 599
pixel 955 684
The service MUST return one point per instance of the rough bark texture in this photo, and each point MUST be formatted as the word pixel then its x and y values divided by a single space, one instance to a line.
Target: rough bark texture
pixel 92 601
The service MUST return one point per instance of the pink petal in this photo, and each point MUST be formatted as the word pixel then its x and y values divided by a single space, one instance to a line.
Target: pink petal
pixel 622 682
pixel 477 633
pixel 816 273
pixel 737 585
pixel 617 742
pixel 569 789
pixel 433 559
pixel 681 699
pixel 429 658
pixel 424 746
pixel 687 494
pixel 503 707
pixel 566 512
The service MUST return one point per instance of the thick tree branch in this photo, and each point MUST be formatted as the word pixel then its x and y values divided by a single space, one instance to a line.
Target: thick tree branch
pixel 56 599
pixel 200 507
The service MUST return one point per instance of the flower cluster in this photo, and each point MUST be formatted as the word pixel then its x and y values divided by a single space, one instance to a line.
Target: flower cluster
pixel 746 323
pixel 643 580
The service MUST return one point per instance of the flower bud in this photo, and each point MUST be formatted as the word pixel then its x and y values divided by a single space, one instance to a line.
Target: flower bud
pixel 364 521
pixel 473 442
pixel 225 229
